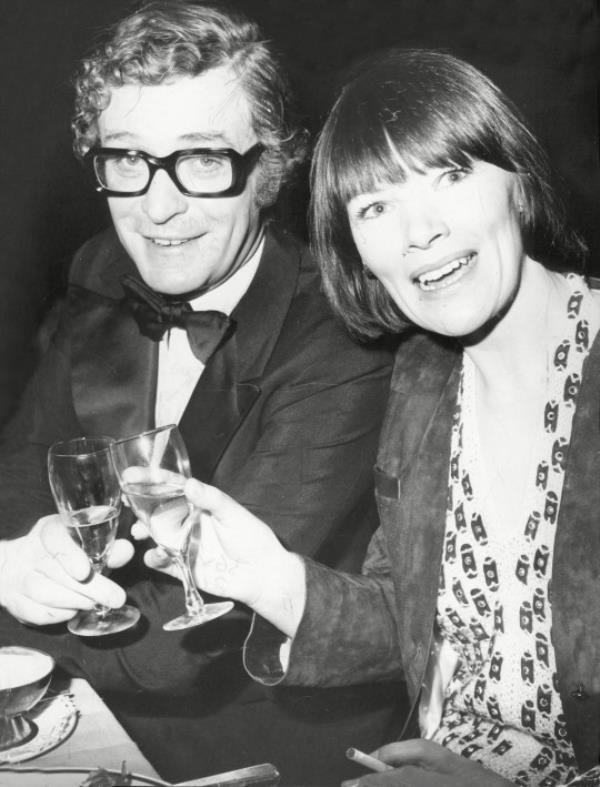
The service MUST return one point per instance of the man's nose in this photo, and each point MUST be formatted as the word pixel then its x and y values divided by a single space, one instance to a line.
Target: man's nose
pixel 425 224
pixel 163 200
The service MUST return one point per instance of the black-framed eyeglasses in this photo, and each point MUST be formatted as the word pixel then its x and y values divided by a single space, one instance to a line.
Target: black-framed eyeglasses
pixel 197 172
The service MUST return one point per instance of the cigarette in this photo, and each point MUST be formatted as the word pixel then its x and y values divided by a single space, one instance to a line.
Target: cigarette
pixel 369 762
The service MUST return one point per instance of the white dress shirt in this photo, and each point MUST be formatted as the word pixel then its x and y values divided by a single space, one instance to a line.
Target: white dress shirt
pixel 178 368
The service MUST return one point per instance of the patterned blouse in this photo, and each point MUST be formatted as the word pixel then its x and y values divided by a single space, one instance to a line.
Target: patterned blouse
pixel 501 704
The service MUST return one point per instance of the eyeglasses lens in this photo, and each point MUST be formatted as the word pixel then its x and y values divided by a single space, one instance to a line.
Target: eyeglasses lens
pixel 209 173
pixel 121 173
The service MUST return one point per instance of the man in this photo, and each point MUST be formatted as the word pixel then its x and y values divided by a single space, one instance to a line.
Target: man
pixel 182 116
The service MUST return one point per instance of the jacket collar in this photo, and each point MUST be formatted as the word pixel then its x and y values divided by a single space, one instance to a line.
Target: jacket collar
pixel 260 314
pixel 231 381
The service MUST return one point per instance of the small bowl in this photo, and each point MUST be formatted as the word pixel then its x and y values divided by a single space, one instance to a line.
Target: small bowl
pixel 24 678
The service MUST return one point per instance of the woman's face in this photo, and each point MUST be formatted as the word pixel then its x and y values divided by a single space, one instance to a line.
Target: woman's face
pixel 446 244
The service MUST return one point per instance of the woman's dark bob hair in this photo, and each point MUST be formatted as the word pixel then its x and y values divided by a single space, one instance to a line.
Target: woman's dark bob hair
pixel 436 111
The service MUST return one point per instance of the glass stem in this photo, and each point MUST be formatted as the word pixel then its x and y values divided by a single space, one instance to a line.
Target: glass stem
pixel 193 599
pixel 101 610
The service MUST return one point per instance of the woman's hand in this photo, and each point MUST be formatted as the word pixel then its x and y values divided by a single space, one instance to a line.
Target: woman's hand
pixel 238 556
pixel 421 763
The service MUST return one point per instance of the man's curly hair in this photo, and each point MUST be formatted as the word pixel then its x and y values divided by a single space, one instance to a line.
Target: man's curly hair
pixel 165 40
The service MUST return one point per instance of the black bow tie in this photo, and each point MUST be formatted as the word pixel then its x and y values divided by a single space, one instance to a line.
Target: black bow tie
pixel 155 314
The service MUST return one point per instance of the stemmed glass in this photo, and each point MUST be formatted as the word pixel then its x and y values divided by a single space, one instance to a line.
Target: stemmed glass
pixel 153 468
pixel 86 491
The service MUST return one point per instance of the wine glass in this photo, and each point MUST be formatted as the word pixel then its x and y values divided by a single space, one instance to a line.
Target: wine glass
pixel 86 491
pixel 153 468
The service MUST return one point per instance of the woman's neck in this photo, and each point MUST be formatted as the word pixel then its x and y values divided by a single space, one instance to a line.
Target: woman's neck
pixel 511 358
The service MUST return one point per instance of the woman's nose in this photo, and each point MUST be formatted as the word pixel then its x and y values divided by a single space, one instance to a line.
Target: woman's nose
pixel 163 200
pixel 425 225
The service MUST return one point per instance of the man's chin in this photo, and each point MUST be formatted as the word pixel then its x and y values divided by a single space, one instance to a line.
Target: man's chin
pixel 178 281
pixel 184 291
pixel 173 286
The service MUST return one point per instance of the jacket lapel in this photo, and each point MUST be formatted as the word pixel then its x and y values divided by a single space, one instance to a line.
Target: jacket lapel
pixel 113 367
pixel 426 511
pixel 231 381
pixel 414 460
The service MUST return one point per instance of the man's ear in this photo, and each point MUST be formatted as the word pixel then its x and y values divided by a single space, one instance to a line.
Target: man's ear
pixel 269 180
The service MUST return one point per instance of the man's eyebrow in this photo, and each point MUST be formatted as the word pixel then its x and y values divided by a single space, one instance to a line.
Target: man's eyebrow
pixel 193 137
pixel 116 136
pixel 206 138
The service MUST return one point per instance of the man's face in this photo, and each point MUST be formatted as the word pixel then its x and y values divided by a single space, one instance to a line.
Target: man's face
pixel 180 243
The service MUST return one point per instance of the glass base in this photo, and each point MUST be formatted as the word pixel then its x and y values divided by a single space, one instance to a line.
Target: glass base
pixel 207 613
pixel 15 731
pixel 92 624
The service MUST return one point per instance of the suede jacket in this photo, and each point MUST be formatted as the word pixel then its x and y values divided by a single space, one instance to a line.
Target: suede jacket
pixel 379 624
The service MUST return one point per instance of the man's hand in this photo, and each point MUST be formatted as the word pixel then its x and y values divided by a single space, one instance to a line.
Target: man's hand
pixel 45 577
pixel 421 763
pixel 235 555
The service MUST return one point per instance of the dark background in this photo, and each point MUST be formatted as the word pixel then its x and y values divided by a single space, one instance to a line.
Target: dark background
pixel 543 53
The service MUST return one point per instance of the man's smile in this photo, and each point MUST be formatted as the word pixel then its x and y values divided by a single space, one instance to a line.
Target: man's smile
pixel 166 242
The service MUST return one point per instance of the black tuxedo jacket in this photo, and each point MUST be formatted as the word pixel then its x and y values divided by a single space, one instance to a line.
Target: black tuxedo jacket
pixel 285 418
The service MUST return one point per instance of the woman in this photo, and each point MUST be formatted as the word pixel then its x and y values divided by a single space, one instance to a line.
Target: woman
pixel 433 216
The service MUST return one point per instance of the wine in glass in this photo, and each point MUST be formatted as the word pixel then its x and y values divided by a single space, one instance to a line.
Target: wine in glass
pixel 153 468
pixel 86 490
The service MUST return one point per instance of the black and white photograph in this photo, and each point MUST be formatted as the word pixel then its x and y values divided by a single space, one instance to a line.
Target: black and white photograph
pixel 300 393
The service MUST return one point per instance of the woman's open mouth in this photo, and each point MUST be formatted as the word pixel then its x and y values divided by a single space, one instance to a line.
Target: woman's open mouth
pixel 445 275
